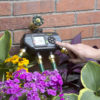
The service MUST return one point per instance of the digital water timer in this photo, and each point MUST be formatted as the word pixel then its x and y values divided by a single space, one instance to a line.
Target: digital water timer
pixel 40 41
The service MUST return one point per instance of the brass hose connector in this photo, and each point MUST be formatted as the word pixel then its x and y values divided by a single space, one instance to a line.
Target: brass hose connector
pixel 64 50
pixel 40 59
pixel 52 59
pixel 40 62
pixel 21 53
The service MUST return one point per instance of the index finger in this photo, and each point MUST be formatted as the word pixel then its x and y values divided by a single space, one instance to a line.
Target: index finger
pixel 66 45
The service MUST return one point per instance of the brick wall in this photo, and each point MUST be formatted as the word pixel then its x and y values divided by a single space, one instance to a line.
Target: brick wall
pixel 66 17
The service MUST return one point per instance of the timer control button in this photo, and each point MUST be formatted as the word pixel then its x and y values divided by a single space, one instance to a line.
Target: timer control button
pixel 51 40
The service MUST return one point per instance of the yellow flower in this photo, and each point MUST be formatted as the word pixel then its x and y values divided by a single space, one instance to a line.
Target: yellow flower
pixel 13 59
pixel 23 61
pixel 8 75
pixel 7 60
pixel 16 59
pixel 22 67
pixel 26 62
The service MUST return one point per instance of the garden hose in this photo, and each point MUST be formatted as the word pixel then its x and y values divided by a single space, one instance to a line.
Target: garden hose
pixel 40 62
pixel 52 59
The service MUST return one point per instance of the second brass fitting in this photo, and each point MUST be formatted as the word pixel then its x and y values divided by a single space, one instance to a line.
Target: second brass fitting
pixel 39 59
pixel 64 50
pixel 52 57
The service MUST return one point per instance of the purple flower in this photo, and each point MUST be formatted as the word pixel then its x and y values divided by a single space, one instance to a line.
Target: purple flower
pixel 43 78
pixel 29 77
pixel 32 84
pixel 51 92
pixel 19 94
pixel 16 80
pixel 13 97
pixel 22 76
pixel 61 96
pixel 62 99
pixel 60 82
pixel 53 78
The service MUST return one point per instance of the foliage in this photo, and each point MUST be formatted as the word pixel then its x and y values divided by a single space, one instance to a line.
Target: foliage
pixel 5 45
pixel 35 86
pixel 20 84
pixel 67 97
pixel 87 94
pixel 90 76
pixel 23 85
pixel 69 71
pixel 90 80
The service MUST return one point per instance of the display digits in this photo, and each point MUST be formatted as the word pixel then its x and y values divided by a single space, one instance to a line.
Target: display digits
pixel 39 41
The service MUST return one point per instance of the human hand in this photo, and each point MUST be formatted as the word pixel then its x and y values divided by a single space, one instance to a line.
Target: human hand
pixel 79 52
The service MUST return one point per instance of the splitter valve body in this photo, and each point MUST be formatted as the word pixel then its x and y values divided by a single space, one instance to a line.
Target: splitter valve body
pixel 40 44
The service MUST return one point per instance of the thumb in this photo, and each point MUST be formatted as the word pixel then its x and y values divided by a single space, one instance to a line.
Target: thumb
pixel 78 60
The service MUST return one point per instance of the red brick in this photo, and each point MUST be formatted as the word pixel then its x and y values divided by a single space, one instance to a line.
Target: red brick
pixel 88 18
pixel 19 34
pixel 98 31
pixel 14 23
pixel 72 5
pixel 98 4
pixel 69 33
pixel 48 30
pixel 58 20
pixel 5 9
pixel 92 42
pixel 34 7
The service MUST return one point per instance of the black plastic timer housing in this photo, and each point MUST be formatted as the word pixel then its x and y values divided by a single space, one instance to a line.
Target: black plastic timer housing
pixel 40 42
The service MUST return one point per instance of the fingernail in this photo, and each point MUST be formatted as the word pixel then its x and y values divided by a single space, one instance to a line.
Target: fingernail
pixel 56 41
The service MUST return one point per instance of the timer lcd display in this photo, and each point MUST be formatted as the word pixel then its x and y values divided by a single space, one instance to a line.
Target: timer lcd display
pixel 39 41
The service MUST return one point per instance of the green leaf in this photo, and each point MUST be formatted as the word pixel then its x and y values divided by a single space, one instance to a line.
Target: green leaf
pixel 86 94
pixel 3 69
pixel 67 97
pixel 3 78
pixel 90 76
pixel 29 66
pixel 5 45
pixel 72 77
pixel 98 92
pixel 23 97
